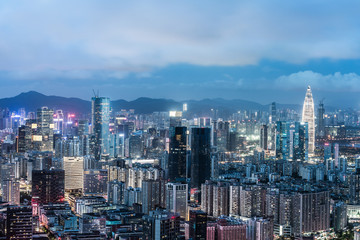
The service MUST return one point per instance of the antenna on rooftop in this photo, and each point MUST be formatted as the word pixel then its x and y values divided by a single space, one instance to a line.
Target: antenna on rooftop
pixel 96 95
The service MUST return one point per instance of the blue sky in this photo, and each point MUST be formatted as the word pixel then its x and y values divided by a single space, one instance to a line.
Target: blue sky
pixel 256 50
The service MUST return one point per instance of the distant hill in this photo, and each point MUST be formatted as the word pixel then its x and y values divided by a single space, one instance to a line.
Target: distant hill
pixel 33 100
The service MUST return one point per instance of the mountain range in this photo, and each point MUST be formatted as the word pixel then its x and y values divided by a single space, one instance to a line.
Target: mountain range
pixel 33 100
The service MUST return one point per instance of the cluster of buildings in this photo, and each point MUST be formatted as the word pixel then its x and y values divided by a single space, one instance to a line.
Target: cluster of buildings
pixel 257 175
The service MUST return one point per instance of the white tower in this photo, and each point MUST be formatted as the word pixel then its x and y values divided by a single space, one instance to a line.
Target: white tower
pixel 308 116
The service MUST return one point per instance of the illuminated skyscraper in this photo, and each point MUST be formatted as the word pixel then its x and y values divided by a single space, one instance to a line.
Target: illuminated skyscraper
pixel 100 110
pixel 177 153
pixel 309 117
pixel 74 173
pixel 45 128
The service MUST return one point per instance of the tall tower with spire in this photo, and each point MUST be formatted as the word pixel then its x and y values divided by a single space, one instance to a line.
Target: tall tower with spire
pixel 308 116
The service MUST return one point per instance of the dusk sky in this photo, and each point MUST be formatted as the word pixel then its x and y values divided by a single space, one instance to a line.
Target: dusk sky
pixel 254 50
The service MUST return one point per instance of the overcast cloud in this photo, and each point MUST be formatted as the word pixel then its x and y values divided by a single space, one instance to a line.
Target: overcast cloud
pixel 49 41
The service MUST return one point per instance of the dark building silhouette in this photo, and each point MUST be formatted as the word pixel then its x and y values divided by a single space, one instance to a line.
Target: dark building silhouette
pixel 47 186
pixel 264 137
pixel 177 153
pixel 320 128
pixel 200 156
pixel 19 222
pixel 197 225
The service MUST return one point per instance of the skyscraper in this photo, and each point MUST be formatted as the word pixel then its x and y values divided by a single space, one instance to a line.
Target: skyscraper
pixel 177 153
pixel 355 187
pixel 272 112
pixel 200 156
pixel 300 141
pixel 264 137
pixel 308 116
pixel 116 191
pixel 282 151
pixel 45 128
pixel 320 128
pixel 11 192
pixel 100 110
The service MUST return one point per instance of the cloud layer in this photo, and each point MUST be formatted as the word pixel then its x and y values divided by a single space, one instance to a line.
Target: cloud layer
pixel 332 82
pixel 129 49
pixel 138 35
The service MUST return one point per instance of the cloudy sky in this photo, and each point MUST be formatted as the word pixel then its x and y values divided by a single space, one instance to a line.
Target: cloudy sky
pixel 255 50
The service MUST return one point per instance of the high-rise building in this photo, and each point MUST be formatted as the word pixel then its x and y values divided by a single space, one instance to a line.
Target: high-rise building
pixel 340 219
pixel 331 151
pixel 207 195
pixel 177 153
pixel 220 199
pixel 161 225
pixel 200 156
pixel 19 223
pixel 197 225
pixel 116 192
pixel 264 229
pixel 355 187
pixel 23 142
pixel 47 187
pixel 100 126
pixel 59 122
pixel 185 107
pixel 95 182
pixel 136 146
pixel 74 173
pixel 285 209
pixel 272 204
pixel 222 135
pixel 153 195
pixel 234 199
pixel 177 198
pixel 292 140
pixel 175 118
pixel 320 128
pixel 11 192
pixel 273 117
pixel 308 115
pixel 312 212
pixel 264 137
pixel 45 129
pixel 300 140
pixel 282 149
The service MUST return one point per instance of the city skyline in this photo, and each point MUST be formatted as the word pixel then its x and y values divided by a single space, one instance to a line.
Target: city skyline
pixel 180 120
